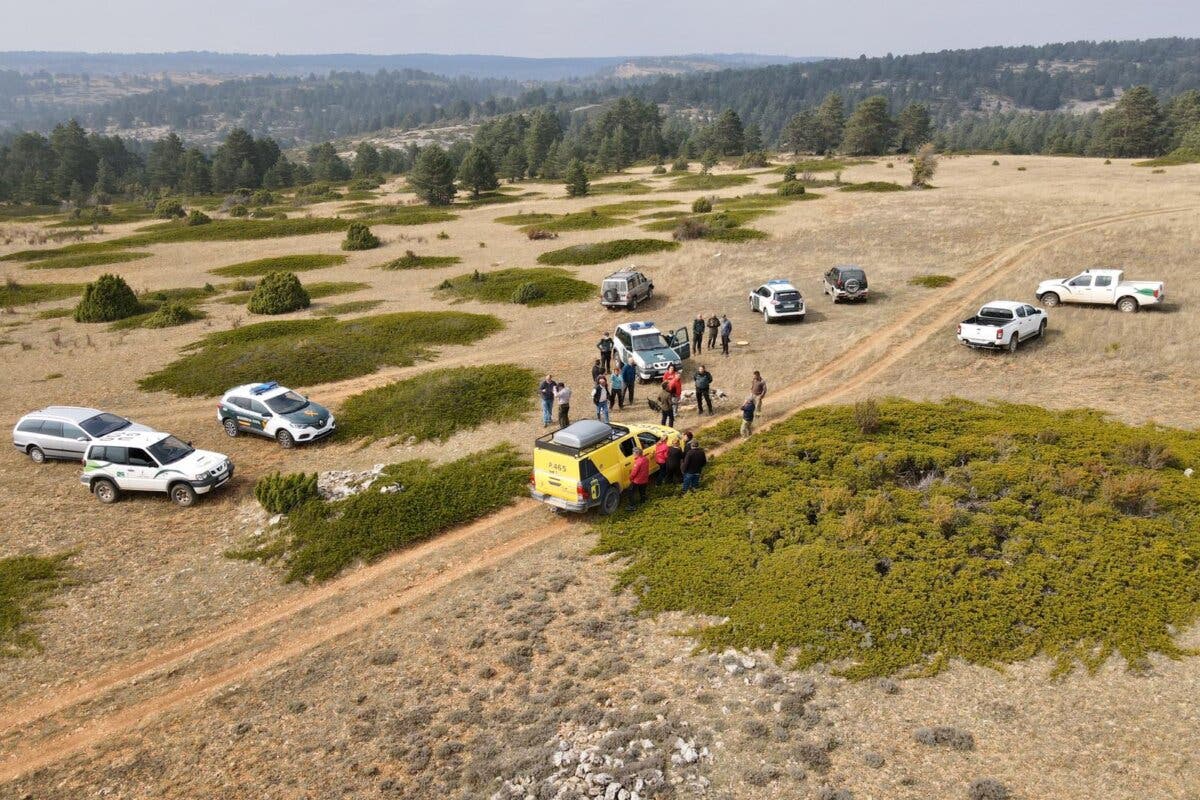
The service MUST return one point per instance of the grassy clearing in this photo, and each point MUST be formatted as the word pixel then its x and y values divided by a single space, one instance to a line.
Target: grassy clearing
pixel 13 293
pixel 821 165
pixel 629 207
pixel 321 289
pixel 22 212
pixel 349 307
pixel 553 286
pixel 26 582
pixel 1175 158
pixel 872 186
pixel 931 281
pixel 153 302
pixel 262 266
pixel 411 260
pixel 530 218
pixel 582 221
pixel 321 539
pixel 891 538
pixel 229 230
pixel 307 352
pixel 95 259
pixel 56 313
pixel 406 215
pixel 441 403
pixel 489 199
pixel 114 216
pixel 80 248
pixel 706 183
pixel 619 187
pixel 602 252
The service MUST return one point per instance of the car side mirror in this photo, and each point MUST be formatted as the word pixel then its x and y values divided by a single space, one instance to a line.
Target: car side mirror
pixel 81 438
pixel 189 444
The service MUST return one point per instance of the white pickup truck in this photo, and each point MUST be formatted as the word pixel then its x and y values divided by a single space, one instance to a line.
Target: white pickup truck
pixel 1002 324
pixel 1106 287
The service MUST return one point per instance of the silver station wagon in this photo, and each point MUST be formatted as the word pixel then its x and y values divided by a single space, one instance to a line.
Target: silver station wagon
pixel 64 432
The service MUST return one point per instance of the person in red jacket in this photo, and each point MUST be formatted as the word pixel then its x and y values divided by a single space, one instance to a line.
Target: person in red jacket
pixel 660 458
pixel 639 478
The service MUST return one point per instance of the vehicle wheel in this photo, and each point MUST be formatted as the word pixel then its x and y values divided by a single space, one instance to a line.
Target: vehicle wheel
pixel 1013 343
pixel 1050 300
pixel 752 308
pixel 633 304
pixel 1128 305
pixel 610 296
pixel 106 491
pixel 36 455
pixel 766 317
pixel 285 440
pixel 231 428
pixel 1042 330
pixel 611 501
pixel 183 495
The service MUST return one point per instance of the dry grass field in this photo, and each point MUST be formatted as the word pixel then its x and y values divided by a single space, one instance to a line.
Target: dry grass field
pixel 170 670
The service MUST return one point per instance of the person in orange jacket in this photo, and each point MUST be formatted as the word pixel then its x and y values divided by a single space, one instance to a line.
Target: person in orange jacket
pixel 639 478
pixel 660 458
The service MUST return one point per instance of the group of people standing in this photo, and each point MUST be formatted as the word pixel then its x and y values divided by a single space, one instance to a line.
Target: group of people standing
pixel 715 326
pixel 680 459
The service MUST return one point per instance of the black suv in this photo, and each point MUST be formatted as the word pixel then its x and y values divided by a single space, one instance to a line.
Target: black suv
pixel 846 282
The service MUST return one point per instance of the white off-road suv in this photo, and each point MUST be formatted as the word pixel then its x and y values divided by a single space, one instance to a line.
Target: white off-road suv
pixel 777 299
pixel 274 411
pixel 650 350
pixel 149 461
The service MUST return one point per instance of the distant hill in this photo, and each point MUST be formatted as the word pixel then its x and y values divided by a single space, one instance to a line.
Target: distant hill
pixel 466 65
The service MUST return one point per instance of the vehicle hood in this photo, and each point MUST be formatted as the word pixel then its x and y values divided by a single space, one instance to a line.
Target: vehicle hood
pixel 657 355
pixel 199 461
pixel 312 414
pixel 1053 282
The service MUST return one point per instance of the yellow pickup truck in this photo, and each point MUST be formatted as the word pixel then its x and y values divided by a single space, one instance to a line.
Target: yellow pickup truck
pixel 587 463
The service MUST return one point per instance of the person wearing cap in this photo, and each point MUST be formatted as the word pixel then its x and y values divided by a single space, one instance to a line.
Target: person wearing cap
pixel 605 346
pixel 694 461
pixel 748 416
pixel 639 478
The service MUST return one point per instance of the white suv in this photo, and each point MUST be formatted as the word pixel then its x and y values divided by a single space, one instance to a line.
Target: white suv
pixel 148 461
pixel 650 350
pixel 274 411
pixel 777 299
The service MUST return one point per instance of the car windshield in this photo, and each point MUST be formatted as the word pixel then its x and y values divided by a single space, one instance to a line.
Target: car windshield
pixel 618 286
pixel 853 274
pixel 648 341
pixel 170 450
pixel 287 402
pixel 787 297
pixel 995 313
pixel 104 424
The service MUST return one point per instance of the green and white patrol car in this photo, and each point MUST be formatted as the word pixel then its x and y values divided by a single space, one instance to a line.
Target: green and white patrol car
pixel 150 461
pixel 274 411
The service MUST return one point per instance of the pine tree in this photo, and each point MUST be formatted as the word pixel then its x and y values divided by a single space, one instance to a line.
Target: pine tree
pixel 708 161
pixel 246 177
pixel 753 138
pixel 197 176
pixel 869 130
pixel 801 134
pixel 477 172
pixel 366 160
pixel 326 164
pixel 577 179
pixel 106 179
pixel 831 121
pixel 1134 127
pixel 77 162
pixel 164 166
pixel 513 166
pixel 432 177
pixel 730 139
pixel 544 132
pixel 914 126
pixel 237 149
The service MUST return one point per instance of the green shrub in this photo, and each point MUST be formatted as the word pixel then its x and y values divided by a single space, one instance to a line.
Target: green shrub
pixel 679 165
pixel 262 197
pixel 239 210
pixel 106 299
pixel 753 160
pixel 359 237
pixel 321 539
pixel 408 215
pixel 411 260
pixel 25 584
pixel 931 281
pixel 689 229
pixel 550 286
pixel 278 293
pixel 791 189
pixel 949 531
pixel 171 314
pixel 307 352
pixel 701 205
pixel 620 187
pixel 261 266
pixel 705 182
pixel 198 217
pixel 525 219
pixel 169 208
pixel 659 170
pixel 582 221
pixel 440 403
pixel 349 307
pixel 601 252
pixel 872 186
pixel 280 494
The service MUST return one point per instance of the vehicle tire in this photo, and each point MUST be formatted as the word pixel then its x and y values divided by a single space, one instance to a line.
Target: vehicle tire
pixel 633 304
pixel 1050 300
pixel 285 440
pixel 1128 305
pixel 610 296
pixel 1013 343
pixel 182 495
pixel 1042 330
pixel 36 455
pixel 766 317
pixel 611 501
pixel 231 428
pixel 106 491
pixel 752 308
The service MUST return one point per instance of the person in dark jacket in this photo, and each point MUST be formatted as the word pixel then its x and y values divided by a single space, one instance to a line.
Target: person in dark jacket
pixel 666 401
pixel 714 326
pixel 546 391
pixel 726 333
pixel 597 371
pixel 748 416
pixel 602 399
pixel 639 478
pixel 694 461
pixel 629 378
pixel 698 333
pixel 674 461
pixel 703 381
pixel 605 346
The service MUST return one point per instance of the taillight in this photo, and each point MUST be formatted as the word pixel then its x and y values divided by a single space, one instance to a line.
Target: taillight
pixel 1156 292
pixel 533 478
pixel 999 333
pixel 840 285
pixel 580 492
pixel 960 330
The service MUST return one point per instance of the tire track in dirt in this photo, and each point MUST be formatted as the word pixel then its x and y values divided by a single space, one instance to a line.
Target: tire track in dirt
pixel 882 348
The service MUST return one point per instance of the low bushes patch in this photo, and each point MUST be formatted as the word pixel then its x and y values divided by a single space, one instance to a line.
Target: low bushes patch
pixel 440 403
pixel 707 182
pixel 359 237
pixel 13 293
pixel 411 260
pixel 872 186
pixel 349 307
pixel 582 221
pixel 601 252
pixel 94 259
pixel 278 493
pixel 503 286
pixel 165 308
pixel 306 352
pixel 931 281
pixel 619 187
pixel 320 539
pixel 261 266
pixel 953 530
pixel 25 584
pixel 406 215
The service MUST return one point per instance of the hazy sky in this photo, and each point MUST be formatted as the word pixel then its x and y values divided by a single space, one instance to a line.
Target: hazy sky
pixel 538 28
